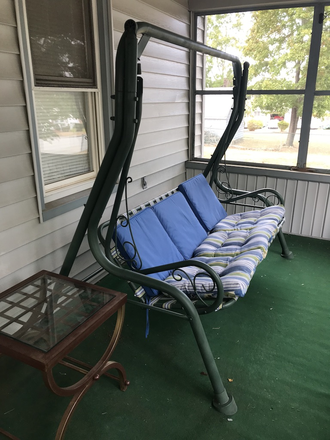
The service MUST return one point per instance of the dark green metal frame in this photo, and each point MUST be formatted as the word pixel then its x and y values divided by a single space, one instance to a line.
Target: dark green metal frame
pixel 115 166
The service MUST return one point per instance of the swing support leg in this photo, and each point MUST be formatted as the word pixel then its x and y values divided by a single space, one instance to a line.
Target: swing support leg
pixel 286 253
pixel 222 402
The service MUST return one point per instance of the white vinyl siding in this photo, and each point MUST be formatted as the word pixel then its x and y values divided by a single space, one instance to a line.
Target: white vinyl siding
pixel 26 245
pixel 162 145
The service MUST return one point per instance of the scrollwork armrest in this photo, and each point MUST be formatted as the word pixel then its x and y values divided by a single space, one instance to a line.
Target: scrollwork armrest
pixel 262 194
pixel 178 266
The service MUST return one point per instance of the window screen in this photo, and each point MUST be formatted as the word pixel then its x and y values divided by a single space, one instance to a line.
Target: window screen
pixel 63 135
pixel 61 42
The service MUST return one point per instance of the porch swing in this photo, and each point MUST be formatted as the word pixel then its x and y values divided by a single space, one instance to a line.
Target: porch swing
pixel 186 224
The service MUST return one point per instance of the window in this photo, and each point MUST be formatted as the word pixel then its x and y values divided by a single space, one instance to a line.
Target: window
pixel 287 113
pixel 62 44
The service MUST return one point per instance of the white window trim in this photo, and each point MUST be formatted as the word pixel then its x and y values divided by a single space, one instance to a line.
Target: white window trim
pixel 77 186
pixel 318 7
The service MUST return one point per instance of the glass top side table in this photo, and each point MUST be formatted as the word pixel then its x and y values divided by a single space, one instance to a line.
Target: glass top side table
pixel 45 317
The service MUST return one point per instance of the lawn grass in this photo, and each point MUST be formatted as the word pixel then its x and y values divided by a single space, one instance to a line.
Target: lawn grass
pixel 268 146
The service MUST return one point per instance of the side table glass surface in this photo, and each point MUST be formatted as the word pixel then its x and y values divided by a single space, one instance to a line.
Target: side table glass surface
pixel 45 310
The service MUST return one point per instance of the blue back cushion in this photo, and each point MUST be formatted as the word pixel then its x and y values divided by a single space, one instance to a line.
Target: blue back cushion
pixel 203 201
pixel 180 223
pixel 152 242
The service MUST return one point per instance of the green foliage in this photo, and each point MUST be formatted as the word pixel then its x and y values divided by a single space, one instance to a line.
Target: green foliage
pixel 283 125
pixel 254 124
pixel 219 73
pixel 276 43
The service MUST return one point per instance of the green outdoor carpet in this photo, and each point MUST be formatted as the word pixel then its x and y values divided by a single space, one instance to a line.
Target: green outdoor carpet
pixel 272 349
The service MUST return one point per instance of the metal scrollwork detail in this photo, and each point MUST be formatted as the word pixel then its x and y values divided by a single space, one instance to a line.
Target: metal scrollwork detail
pixel 124 220
pixel 223 187
pixel 177 275
pixel 272 199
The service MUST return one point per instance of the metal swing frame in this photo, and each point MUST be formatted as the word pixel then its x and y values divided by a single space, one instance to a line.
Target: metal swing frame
pixel 115 167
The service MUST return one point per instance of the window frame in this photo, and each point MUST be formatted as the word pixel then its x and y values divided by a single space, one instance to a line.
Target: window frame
pixel 75 193
pixel 309 91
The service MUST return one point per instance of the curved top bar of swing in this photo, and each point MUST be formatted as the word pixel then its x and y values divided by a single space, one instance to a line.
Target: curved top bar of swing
pixel 165 35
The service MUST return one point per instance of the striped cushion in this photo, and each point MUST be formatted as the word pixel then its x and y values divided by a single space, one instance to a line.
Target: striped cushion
pixel 235 274
pixel 269 217
pixel 234 248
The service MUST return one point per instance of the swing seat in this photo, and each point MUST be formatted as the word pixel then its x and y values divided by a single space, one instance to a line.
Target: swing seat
pixel 185 239
pixel 192 225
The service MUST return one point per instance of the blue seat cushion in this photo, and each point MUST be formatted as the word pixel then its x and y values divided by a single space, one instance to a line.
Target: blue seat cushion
pixel 154 245
pixel 203 201
pixel 180 223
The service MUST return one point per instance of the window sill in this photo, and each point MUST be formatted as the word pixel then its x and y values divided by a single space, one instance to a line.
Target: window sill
pixel 65 204
pixel 287 173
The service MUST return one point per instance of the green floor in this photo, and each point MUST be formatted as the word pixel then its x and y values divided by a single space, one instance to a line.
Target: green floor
pixel 272 349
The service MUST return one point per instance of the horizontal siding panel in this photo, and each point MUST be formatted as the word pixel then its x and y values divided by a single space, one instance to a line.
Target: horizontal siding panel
pixel 141 156
pixel 17 167
pixel 29 245
pixel 10 66
pixel 85 264
pixel 156 110
pixel 165 67
pixel 11 93
pixel 158 184
pixel 140 11
pixel 160 50
pixel 151 139
pixel 13 119
pixel 200 22
pixel 198 119
pixel 172 8
pixel 151 125
pixel 154 166
pixel 51 262
pixel 165 81
pixel 199 73
pixel 198 152
pixel 18 213
pixel 33 230
pixel 36 250
pixel 8 39
pixel 157 49
pixel 200 36
pixel 16 191
pixel 14 143
pixel 168 95
pixel 7 12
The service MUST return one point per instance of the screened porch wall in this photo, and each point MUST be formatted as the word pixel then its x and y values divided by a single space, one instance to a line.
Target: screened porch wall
pixel 307 200
pixel 212 5
pixel 26 245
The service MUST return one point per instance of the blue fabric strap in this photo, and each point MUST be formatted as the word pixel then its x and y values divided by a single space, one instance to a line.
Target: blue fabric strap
pixel 147 321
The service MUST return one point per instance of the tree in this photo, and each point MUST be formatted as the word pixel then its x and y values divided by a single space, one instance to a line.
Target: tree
pixel 277 46
pixel 219 73
pixel 278 43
